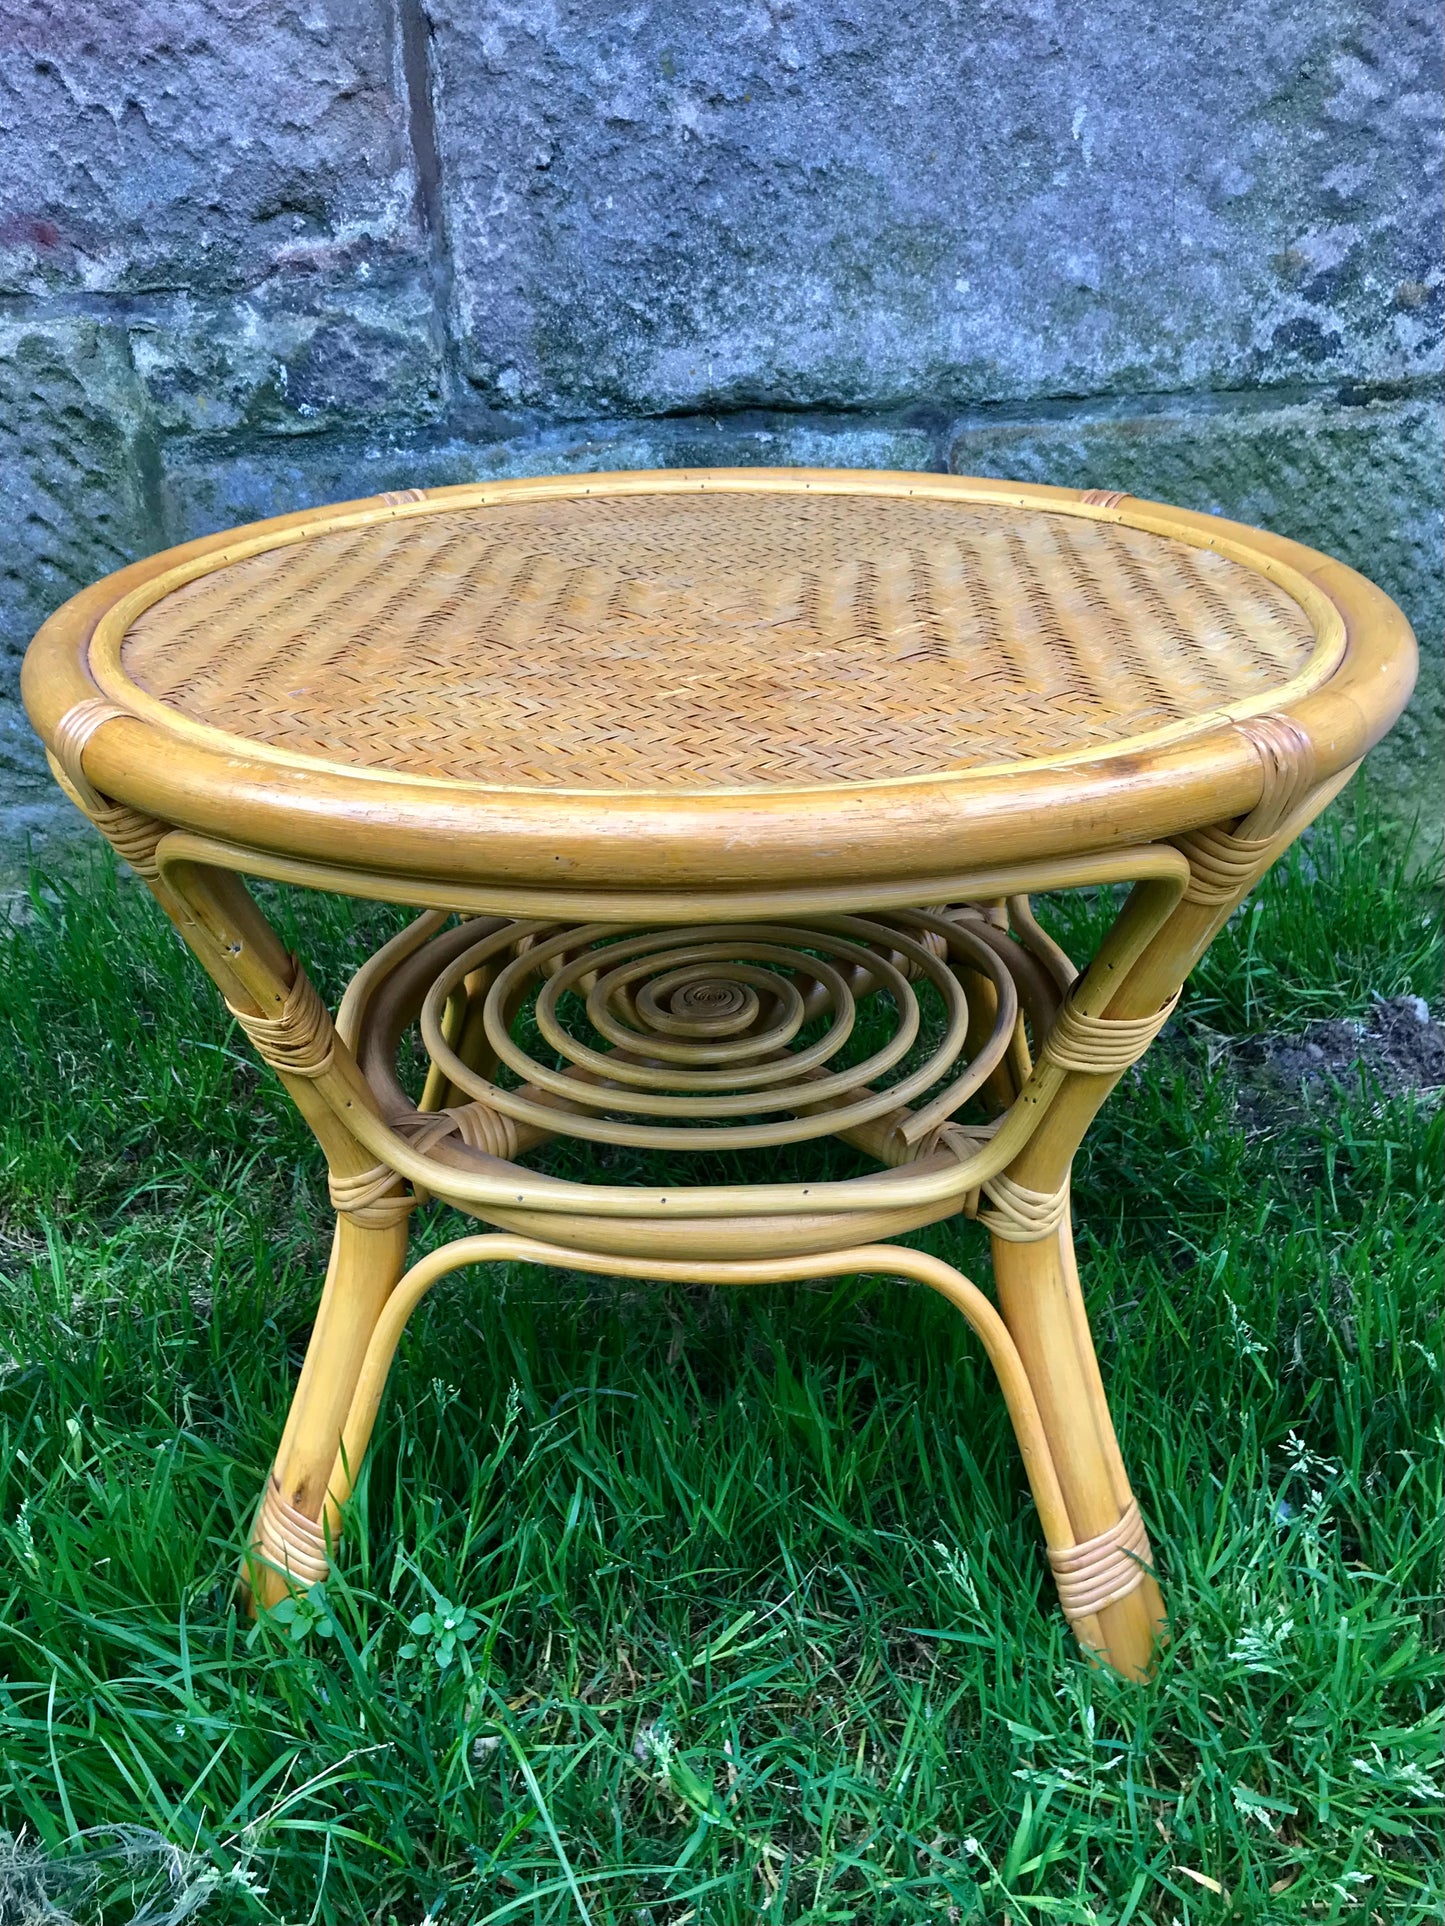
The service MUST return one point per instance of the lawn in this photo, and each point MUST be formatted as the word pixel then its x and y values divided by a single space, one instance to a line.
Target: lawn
pixel 749 1616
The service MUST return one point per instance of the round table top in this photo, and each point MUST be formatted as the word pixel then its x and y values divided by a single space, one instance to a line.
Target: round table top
pixel 715 677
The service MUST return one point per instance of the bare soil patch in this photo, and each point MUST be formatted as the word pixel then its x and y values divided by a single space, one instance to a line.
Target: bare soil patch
pixel 1398 1047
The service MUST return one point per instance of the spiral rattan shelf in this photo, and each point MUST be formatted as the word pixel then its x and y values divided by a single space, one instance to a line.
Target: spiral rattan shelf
pixel 721 797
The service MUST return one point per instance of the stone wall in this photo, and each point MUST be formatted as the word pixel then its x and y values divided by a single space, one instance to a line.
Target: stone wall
pixel 255 255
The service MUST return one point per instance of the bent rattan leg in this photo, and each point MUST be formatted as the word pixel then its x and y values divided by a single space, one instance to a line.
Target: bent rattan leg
pixel 270 997
pixel 1106 1587
pixel 881 1259
pixel 290 1538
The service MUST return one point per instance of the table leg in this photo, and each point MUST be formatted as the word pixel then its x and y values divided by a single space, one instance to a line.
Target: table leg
pixel 1037 1278
pixel 298 1521
pixel 1038 1292
pixel 269 994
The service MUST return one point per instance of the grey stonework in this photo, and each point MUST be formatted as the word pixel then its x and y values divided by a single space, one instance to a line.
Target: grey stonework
pixel 255 258
pixel 194 145
pixel 854 204
pixel 79 499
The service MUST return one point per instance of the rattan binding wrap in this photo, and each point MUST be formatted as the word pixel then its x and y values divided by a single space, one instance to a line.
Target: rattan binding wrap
pixel 373 1198
pixel 476 1125
pixel 1102 1569
pixel 289 1539
pixel 300 1040
pixel 719 640
pixel 1224 861
pixel 133 835
pixel 1102 1046
pixel 74 731
pixel 1021 1215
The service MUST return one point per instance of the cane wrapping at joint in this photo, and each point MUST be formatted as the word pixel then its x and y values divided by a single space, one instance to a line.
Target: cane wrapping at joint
pixel 287 1538
pixel 1287 759
pixel 373 1199
pixel 1222 865
pixel 73 731
pixel 1020 1215
pixel 1104 1569
pixel 479 1126
pixel 301 1041
pixel 1101 1046
pixel 132 834
pixel 1226 862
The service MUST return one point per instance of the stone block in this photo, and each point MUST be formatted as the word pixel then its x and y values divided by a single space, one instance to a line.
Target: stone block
pixel 293 360
pixel 671 209
pixel 154 145
pixel 205 487
pixel 74 466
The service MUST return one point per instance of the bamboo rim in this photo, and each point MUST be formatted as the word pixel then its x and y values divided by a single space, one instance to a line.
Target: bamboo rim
pixel 104 656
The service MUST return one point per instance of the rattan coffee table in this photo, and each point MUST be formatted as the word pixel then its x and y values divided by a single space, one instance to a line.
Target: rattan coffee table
pixel 721 796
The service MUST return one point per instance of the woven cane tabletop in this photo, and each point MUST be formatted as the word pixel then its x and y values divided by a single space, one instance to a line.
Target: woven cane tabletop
pixel 715 641
pixel 692 635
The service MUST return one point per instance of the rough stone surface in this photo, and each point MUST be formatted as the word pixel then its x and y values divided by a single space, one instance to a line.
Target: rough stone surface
pixel 240 182
pixel 200 495
pixel 707 204
pixel 74 475
pixel 296 361
pixel 209 145
pixel 255 257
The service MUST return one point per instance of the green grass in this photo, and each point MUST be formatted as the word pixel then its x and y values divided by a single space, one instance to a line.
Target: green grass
pixel 755 1623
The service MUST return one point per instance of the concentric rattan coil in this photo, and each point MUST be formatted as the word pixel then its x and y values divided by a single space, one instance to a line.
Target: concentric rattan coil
pixel 700 1027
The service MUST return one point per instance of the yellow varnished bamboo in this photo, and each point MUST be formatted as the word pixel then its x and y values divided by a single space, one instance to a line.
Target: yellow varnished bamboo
pixel 365 1266
pixel 731 758
pixel 149 756
pixel 1037 1290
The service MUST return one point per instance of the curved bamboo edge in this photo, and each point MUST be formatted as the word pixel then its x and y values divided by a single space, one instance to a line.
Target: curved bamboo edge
pixel 874 832
pixel 1088 1574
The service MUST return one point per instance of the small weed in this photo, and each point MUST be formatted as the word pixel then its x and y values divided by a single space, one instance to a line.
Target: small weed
pixel 441 1636
pixel 300 1616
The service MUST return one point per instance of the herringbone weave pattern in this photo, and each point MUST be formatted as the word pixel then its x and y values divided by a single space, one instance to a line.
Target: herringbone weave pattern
pixel 714 640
